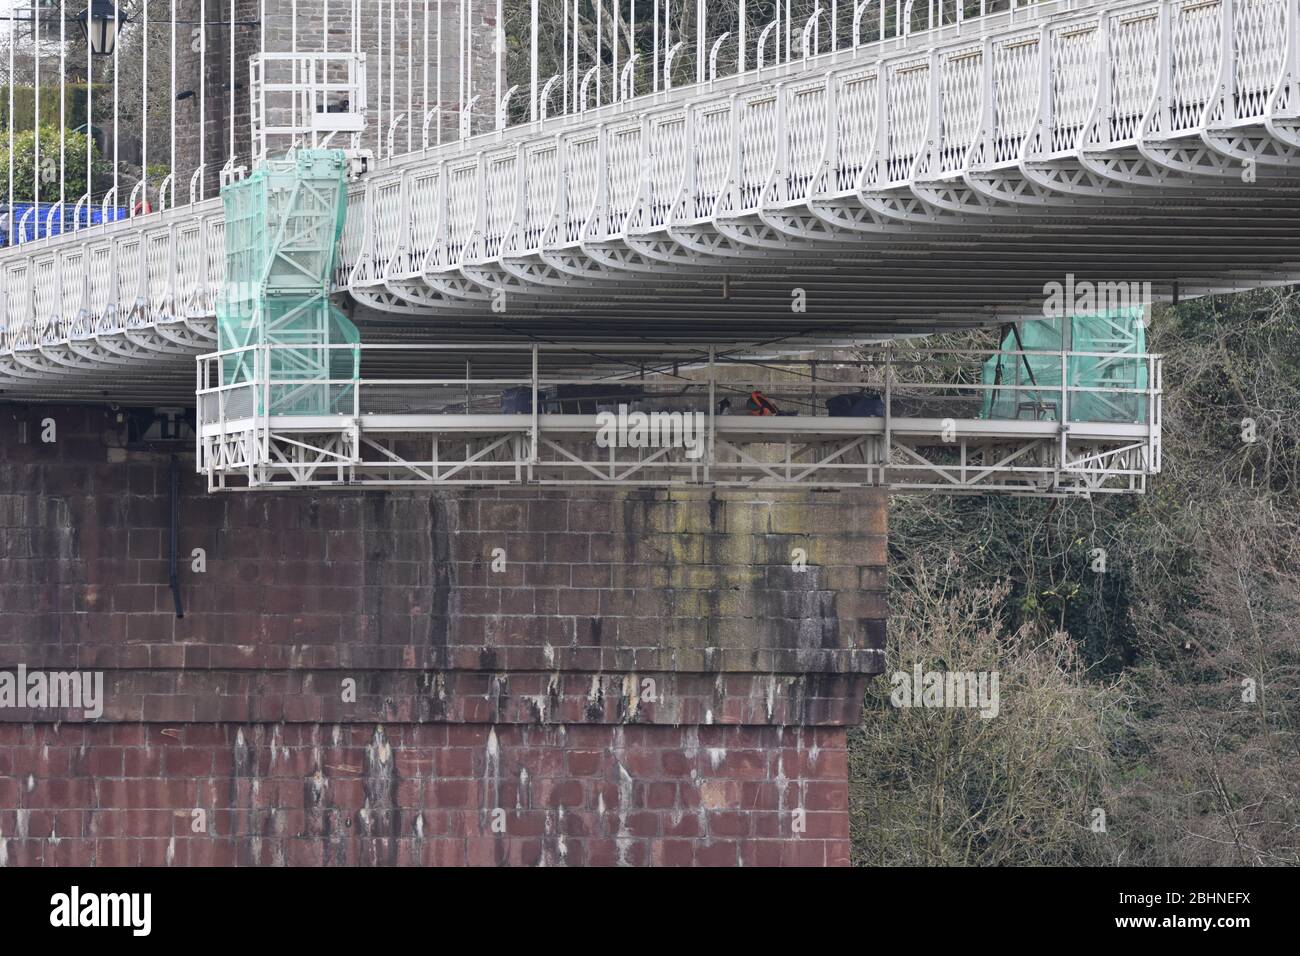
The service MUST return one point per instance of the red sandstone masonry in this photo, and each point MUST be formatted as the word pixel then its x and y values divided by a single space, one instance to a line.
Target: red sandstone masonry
pixel 524 690
pixel 420 794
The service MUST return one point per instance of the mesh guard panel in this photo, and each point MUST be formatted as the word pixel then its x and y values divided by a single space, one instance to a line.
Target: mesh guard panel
pixel 283 225
pixel 1094 380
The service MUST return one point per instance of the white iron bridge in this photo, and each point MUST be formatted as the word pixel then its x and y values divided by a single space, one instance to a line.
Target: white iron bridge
pixel 939 177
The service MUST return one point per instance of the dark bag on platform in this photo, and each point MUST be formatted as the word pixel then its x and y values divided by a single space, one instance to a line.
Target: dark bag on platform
pixel 517 401
pixel 856 405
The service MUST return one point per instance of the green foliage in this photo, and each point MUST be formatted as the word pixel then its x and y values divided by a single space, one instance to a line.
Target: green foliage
pixel 25 170
pixel 74 105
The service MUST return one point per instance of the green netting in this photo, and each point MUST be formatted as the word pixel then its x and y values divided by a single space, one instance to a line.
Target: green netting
pixel 1119 334
pixel 283 225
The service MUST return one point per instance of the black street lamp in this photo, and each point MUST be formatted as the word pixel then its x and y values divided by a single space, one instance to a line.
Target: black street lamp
pixel 99 24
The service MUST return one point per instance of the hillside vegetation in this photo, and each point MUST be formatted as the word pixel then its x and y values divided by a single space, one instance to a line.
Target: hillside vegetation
pixel 1150 711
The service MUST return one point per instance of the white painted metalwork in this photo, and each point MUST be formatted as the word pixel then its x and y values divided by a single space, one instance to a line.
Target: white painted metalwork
pixel 903 183
pixel 305 100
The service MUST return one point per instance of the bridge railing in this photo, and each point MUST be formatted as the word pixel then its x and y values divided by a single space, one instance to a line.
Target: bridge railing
pixel 296 92
pixel 993 384
pixel 882 28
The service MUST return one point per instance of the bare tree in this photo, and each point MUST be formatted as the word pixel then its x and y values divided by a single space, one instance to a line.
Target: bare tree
pixel 950 786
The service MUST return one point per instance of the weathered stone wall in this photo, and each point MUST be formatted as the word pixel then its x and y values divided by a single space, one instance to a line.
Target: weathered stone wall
pixel 350 794
pixel 563 675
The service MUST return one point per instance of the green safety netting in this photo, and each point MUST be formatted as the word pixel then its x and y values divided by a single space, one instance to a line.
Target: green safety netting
pixel 1119 334
pixel 282 227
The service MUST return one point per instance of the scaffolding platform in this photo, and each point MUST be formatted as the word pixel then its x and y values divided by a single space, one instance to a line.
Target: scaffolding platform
pixel 419 415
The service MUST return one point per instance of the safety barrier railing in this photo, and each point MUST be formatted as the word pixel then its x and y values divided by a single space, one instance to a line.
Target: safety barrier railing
pixel 925 383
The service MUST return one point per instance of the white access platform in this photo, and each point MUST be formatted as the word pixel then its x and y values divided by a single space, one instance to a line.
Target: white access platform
pixel 981 427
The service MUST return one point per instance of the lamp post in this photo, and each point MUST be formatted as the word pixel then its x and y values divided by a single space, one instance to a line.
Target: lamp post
pixel 99 23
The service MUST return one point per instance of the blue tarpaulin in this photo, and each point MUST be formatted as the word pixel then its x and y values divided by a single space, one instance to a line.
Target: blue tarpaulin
pixel 39 224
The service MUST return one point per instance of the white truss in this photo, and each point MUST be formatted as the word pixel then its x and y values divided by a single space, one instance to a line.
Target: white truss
pixel 936 180
pixel 451 430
